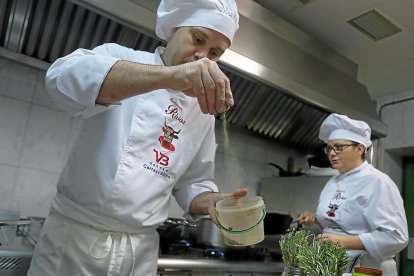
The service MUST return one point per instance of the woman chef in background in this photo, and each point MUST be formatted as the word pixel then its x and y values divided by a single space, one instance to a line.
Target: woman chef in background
pixel 361 207
pixel 148 134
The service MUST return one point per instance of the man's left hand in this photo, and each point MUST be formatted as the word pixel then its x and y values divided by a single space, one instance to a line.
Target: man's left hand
pixel 205 203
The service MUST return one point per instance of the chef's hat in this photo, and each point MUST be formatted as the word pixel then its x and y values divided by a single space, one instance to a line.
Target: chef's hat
pixel 218 15
pixel 338 126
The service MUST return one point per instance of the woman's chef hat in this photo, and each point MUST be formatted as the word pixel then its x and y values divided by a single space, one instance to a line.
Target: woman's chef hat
pixel 338 126
pixel 219 15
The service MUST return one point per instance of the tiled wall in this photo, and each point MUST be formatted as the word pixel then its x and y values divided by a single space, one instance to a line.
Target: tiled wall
pixel 35 138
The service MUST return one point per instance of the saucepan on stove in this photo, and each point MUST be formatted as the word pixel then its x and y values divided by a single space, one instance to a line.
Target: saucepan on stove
pixel 277 223
pixel 206 233
pixel 175 229
pixel 202 232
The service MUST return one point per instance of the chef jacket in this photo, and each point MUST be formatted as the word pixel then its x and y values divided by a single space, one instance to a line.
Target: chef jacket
pixel 132 155
pixel 367 203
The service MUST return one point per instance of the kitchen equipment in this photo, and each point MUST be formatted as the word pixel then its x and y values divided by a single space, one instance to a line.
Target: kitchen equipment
pixel 282 172
pixel 277 223
pixel 180 258
pixel 207 233
pixel 320 161
pixel 241 220
pixel 7 232
pixel 174 230
pixel 17 245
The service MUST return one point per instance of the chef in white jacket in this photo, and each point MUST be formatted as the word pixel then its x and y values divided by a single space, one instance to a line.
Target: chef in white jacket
pixel 148 134
pixel 361 207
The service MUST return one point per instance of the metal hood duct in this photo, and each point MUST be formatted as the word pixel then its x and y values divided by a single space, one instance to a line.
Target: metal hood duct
pixel 284 82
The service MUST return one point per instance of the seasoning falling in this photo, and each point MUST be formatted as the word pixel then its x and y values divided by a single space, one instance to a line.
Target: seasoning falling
pixel 224 129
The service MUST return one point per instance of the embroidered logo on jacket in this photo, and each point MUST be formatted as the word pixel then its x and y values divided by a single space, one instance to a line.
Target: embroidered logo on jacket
pixel 332 210
pixel 335 203
pixel 170 130
pixel 174 109
pixel 169 134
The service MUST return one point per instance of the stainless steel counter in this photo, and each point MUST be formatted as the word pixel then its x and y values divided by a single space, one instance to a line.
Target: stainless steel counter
pixel 207 265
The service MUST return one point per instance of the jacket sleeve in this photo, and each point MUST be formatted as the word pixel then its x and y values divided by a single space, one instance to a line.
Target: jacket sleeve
pixel 386 216
pixel 198 177
pixel 73 82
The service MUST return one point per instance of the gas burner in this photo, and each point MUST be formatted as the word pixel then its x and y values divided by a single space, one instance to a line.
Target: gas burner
pixel 180 247
pixel 186 249
pixel 214 253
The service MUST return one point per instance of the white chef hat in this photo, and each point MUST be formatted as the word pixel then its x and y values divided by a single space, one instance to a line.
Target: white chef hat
pixel 338 126
pixel 218 15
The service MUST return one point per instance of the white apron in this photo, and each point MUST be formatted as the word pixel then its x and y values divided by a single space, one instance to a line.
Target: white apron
pixel 87 247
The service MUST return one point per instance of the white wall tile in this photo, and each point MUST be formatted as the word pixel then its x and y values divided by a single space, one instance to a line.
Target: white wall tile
pixel 41 97
pixel 16 80
pixel 8 176
pixel 14 116
pixel 47 139
pixel 33 192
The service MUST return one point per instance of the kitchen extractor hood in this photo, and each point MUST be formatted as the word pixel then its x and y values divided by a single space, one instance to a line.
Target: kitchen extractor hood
pixel 284 82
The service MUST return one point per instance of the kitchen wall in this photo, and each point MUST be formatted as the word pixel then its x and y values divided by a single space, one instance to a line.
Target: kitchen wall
pixel 398 113
pixel 35 139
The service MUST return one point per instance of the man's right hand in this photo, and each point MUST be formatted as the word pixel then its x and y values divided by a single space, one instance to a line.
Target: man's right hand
pixel 204 79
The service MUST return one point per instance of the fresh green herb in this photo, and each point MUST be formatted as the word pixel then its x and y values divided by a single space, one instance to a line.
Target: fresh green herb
pixel 324 258
pixel 292 245
pixel 313 256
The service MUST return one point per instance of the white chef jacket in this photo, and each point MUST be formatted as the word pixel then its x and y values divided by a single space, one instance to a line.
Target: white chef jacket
pixel 131 156
pixel 367 203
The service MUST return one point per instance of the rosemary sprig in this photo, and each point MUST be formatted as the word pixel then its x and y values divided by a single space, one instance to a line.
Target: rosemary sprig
pixel 324 258
pixel 313 256
pixel 292 245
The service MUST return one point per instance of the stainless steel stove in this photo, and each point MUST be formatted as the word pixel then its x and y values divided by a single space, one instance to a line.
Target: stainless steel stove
pixel 183 257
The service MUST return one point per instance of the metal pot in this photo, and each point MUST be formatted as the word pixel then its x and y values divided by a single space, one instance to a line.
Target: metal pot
pixel 207 233
pixel 174 229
